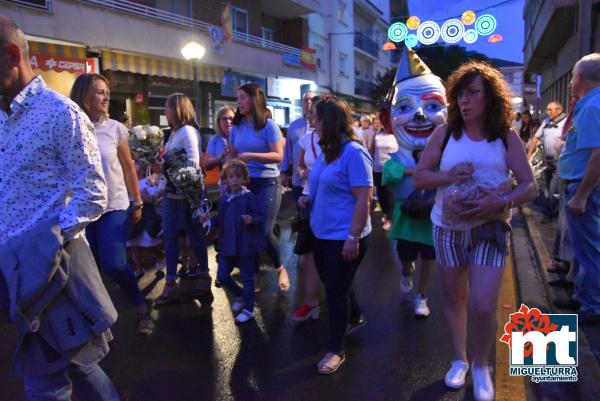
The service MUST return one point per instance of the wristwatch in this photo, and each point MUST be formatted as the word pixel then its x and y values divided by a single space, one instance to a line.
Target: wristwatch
pixel 353 237
pixel 137 205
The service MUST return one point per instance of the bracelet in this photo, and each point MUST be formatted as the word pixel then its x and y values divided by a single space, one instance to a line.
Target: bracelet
pixel 138 205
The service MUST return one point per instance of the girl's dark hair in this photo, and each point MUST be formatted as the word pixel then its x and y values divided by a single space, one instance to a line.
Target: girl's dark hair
pixel 238 166
pixel 498 109
pixel 260 113
pixel 336 116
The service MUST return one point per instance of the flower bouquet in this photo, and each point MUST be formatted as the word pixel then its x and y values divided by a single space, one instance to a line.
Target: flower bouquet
pixel 456 195
pixel 187 179
pixel 146 142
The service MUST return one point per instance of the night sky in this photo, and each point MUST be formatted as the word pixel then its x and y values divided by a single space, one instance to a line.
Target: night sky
pixel 509 15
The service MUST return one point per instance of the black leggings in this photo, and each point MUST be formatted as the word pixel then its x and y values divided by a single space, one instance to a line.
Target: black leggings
pixel 337 276
pixel 386 197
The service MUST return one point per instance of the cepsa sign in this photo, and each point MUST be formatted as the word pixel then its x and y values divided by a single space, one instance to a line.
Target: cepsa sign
pixel 58 64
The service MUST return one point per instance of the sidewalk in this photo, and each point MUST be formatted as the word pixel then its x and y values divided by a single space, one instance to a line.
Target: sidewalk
pixel 532 243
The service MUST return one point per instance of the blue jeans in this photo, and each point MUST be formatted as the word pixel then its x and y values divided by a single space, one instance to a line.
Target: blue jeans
pixel 248 268
pixel 585 237
pixel 337 276
pixel 268 191
pixel 177 216
pixel 108 237
pixel 89 383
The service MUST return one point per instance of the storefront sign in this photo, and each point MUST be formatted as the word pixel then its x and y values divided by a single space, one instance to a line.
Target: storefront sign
pixel 291 59
pixel 92 65
pixel 233 80
pixel 58 64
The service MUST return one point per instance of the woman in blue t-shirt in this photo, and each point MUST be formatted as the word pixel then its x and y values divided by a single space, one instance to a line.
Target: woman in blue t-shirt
pixel 256 140
pixel 216 150
pixel 341 188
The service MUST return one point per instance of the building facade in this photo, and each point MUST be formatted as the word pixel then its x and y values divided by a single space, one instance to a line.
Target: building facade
pixel 137 45
pixel 348 37
pixel 557 34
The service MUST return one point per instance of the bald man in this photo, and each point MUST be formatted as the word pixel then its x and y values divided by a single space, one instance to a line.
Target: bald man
pixel 50 176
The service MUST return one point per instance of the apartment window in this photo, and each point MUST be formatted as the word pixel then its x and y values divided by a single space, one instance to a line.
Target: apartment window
pixel 267 34
pixel 42 4
pixel 319 54
pixel 240 20
pixel 179 7
pixel 341 11
pixel 508 77
pixel 342 62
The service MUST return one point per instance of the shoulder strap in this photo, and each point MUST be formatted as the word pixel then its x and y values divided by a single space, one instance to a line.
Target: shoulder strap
pixel 446 139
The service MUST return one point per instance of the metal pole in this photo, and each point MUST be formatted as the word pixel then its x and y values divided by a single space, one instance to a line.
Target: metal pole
pixel 196 92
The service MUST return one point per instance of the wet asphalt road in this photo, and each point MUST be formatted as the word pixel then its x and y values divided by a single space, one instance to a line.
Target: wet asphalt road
pixel 197 353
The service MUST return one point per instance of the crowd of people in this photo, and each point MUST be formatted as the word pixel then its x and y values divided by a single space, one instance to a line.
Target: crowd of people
pixel 73 182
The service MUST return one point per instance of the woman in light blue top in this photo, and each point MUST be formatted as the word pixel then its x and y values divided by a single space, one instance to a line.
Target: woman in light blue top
pixel 217 151
pixel 341 188
pixel 256 140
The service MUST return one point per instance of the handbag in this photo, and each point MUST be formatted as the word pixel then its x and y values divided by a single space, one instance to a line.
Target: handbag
pixel 305 237
pixel 419 203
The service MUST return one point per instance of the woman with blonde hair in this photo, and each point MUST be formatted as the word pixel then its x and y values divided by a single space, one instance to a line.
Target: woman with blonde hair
pixel 217 151
pixel 108 235
pixel 471 243
pixel 177 212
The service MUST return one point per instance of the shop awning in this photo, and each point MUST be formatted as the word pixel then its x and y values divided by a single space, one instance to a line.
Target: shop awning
pixel 117 61
pixel 50 49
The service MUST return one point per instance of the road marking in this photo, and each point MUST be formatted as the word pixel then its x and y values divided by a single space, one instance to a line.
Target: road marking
pixel 510 388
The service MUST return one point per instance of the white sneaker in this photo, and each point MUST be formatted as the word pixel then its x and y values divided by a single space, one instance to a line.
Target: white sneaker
pixel 244 316
pixel 420 305
pixel 406 284
pixel 237 305
pixel 455 378
pixel 483 387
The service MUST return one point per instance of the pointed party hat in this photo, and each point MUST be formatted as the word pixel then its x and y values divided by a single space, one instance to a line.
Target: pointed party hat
pixel 410 66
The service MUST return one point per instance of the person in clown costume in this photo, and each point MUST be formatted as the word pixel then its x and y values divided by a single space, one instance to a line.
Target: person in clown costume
pixel 418 105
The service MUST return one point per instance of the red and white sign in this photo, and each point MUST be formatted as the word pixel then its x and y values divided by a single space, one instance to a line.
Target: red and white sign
pixel 58 64
pixel 92 65
pixel 139 98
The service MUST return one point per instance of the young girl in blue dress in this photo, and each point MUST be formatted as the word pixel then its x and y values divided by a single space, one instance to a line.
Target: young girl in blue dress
pixel 241 237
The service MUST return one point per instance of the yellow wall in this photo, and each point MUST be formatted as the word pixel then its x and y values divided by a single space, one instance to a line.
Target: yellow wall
pixel 59 81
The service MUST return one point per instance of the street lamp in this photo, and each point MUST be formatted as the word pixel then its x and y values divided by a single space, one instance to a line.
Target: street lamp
pixel 194 51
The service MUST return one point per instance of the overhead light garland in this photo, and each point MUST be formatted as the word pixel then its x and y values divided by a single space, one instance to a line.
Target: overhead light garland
pixel 468 28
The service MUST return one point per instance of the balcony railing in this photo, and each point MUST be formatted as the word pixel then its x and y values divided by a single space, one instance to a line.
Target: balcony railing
pixel 363 88
pixel 366 44
pixel 129 7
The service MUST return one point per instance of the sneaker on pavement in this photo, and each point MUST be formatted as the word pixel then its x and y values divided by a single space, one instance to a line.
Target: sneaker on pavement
pixel 406 284
pixel 420 305
pixel 244 316
pixel 237 305
pixel 483 388
pixel 455 378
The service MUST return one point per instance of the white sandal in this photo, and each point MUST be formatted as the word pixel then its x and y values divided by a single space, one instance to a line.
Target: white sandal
pixel 327 366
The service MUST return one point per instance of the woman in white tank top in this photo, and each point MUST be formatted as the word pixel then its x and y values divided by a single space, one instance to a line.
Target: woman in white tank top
pixel 476 142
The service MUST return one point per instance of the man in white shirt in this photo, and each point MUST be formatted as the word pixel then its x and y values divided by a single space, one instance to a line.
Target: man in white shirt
pixel 48 155
pixel 549 134
pixel 291 152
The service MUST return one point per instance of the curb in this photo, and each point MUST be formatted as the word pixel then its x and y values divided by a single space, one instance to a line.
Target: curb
pixel 588 385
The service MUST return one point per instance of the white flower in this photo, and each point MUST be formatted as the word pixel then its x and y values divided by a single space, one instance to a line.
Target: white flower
pixel 154 130
pixel 177 178
pixel 140 134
